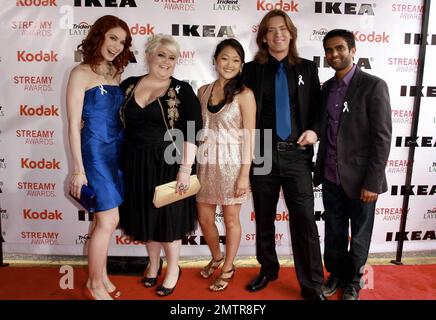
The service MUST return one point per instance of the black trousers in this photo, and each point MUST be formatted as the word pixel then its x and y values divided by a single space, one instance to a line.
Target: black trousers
pixel 291 170
pixel 341 212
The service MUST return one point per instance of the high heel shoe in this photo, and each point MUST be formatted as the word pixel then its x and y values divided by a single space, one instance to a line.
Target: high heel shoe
pixel 163 291
pixel 149 282
pixel 210 268
pixel 222 282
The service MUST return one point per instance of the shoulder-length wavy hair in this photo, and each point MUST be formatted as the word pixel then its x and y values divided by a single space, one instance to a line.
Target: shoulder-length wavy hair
pixel 91 45
pixel 262 55
pixel 236 84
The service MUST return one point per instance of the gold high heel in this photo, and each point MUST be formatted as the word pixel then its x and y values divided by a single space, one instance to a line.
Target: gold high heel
pixel 210 268
pixel 222 282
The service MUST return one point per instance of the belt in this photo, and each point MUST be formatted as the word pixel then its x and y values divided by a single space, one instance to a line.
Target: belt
pixel 289 146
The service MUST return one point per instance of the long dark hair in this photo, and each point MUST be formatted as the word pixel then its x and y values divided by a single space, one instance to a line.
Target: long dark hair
pixel 236 84
pixel 262 54
pixel 91 45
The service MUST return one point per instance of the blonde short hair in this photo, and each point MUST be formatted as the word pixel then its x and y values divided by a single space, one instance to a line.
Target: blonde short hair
pixel 162 39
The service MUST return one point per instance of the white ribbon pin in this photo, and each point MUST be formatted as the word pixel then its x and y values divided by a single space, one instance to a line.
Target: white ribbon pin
pixel 300 79
pixel 345 107
pixel 177 89
pixel 102 90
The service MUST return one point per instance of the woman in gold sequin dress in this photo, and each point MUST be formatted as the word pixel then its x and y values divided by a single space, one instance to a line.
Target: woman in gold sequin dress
pixel 224 157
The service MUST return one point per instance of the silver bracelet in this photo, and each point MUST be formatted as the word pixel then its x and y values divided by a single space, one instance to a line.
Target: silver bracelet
pixel 185 169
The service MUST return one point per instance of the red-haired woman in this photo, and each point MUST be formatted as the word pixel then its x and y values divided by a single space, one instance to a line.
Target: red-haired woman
pixel 94 99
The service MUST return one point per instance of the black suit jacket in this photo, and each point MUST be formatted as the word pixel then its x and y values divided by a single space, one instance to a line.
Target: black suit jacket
pixel 364 136
pixel 308 91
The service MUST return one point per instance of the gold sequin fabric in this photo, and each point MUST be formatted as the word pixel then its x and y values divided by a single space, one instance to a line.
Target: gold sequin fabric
pixel 220 153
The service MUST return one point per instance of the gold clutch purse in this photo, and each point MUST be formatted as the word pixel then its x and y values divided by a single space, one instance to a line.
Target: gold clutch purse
pixel 166 193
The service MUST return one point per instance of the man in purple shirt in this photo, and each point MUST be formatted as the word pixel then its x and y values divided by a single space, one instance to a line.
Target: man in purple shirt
pixel 355 141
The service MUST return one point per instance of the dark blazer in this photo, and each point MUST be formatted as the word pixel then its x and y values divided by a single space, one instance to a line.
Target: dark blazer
pixel 309 93
pixel 364 136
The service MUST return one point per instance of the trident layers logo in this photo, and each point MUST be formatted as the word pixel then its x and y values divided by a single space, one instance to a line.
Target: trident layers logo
pixel 226 5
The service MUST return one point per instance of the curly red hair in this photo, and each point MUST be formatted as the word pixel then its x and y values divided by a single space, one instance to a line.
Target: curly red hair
pixel 91 45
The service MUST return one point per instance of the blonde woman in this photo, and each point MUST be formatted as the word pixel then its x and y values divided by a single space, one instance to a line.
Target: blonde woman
pixel 156 102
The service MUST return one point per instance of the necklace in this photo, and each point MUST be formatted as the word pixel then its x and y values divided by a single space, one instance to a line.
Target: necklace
pixel 108 73
pixel 211 97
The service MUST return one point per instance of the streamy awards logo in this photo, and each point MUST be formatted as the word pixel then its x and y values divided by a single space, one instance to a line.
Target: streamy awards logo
pixel 390 213
pixel 403 64
pixel 397 166
pixel 182 5
pixel 407 11
pixel 37 189
pixel 279 237
pixel 36 137
pixel 33 83
pixel 50 238
pixel 186 58
pixel 33 28
pixel 402 116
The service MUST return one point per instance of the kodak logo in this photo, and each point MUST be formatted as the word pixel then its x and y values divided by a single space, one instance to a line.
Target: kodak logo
pixel 42 164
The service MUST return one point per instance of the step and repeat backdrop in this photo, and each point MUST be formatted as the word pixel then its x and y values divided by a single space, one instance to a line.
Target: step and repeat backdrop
pixel 39 41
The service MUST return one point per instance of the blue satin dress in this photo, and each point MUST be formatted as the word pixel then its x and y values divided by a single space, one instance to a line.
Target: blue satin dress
pixel 102 136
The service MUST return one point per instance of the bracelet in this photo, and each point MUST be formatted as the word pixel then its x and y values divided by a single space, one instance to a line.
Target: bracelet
pixel 185 169
pixel 78 174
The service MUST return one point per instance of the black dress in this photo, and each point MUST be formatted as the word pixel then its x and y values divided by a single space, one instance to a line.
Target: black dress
pixel 145 167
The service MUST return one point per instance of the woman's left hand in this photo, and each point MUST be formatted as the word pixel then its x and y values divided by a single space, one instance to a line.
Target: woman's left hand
pixel 242 186
pixel 182 184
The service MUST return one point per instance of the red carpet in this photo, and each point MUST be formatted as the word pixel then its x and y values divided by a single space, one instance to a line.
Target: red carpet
pixel 412 282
